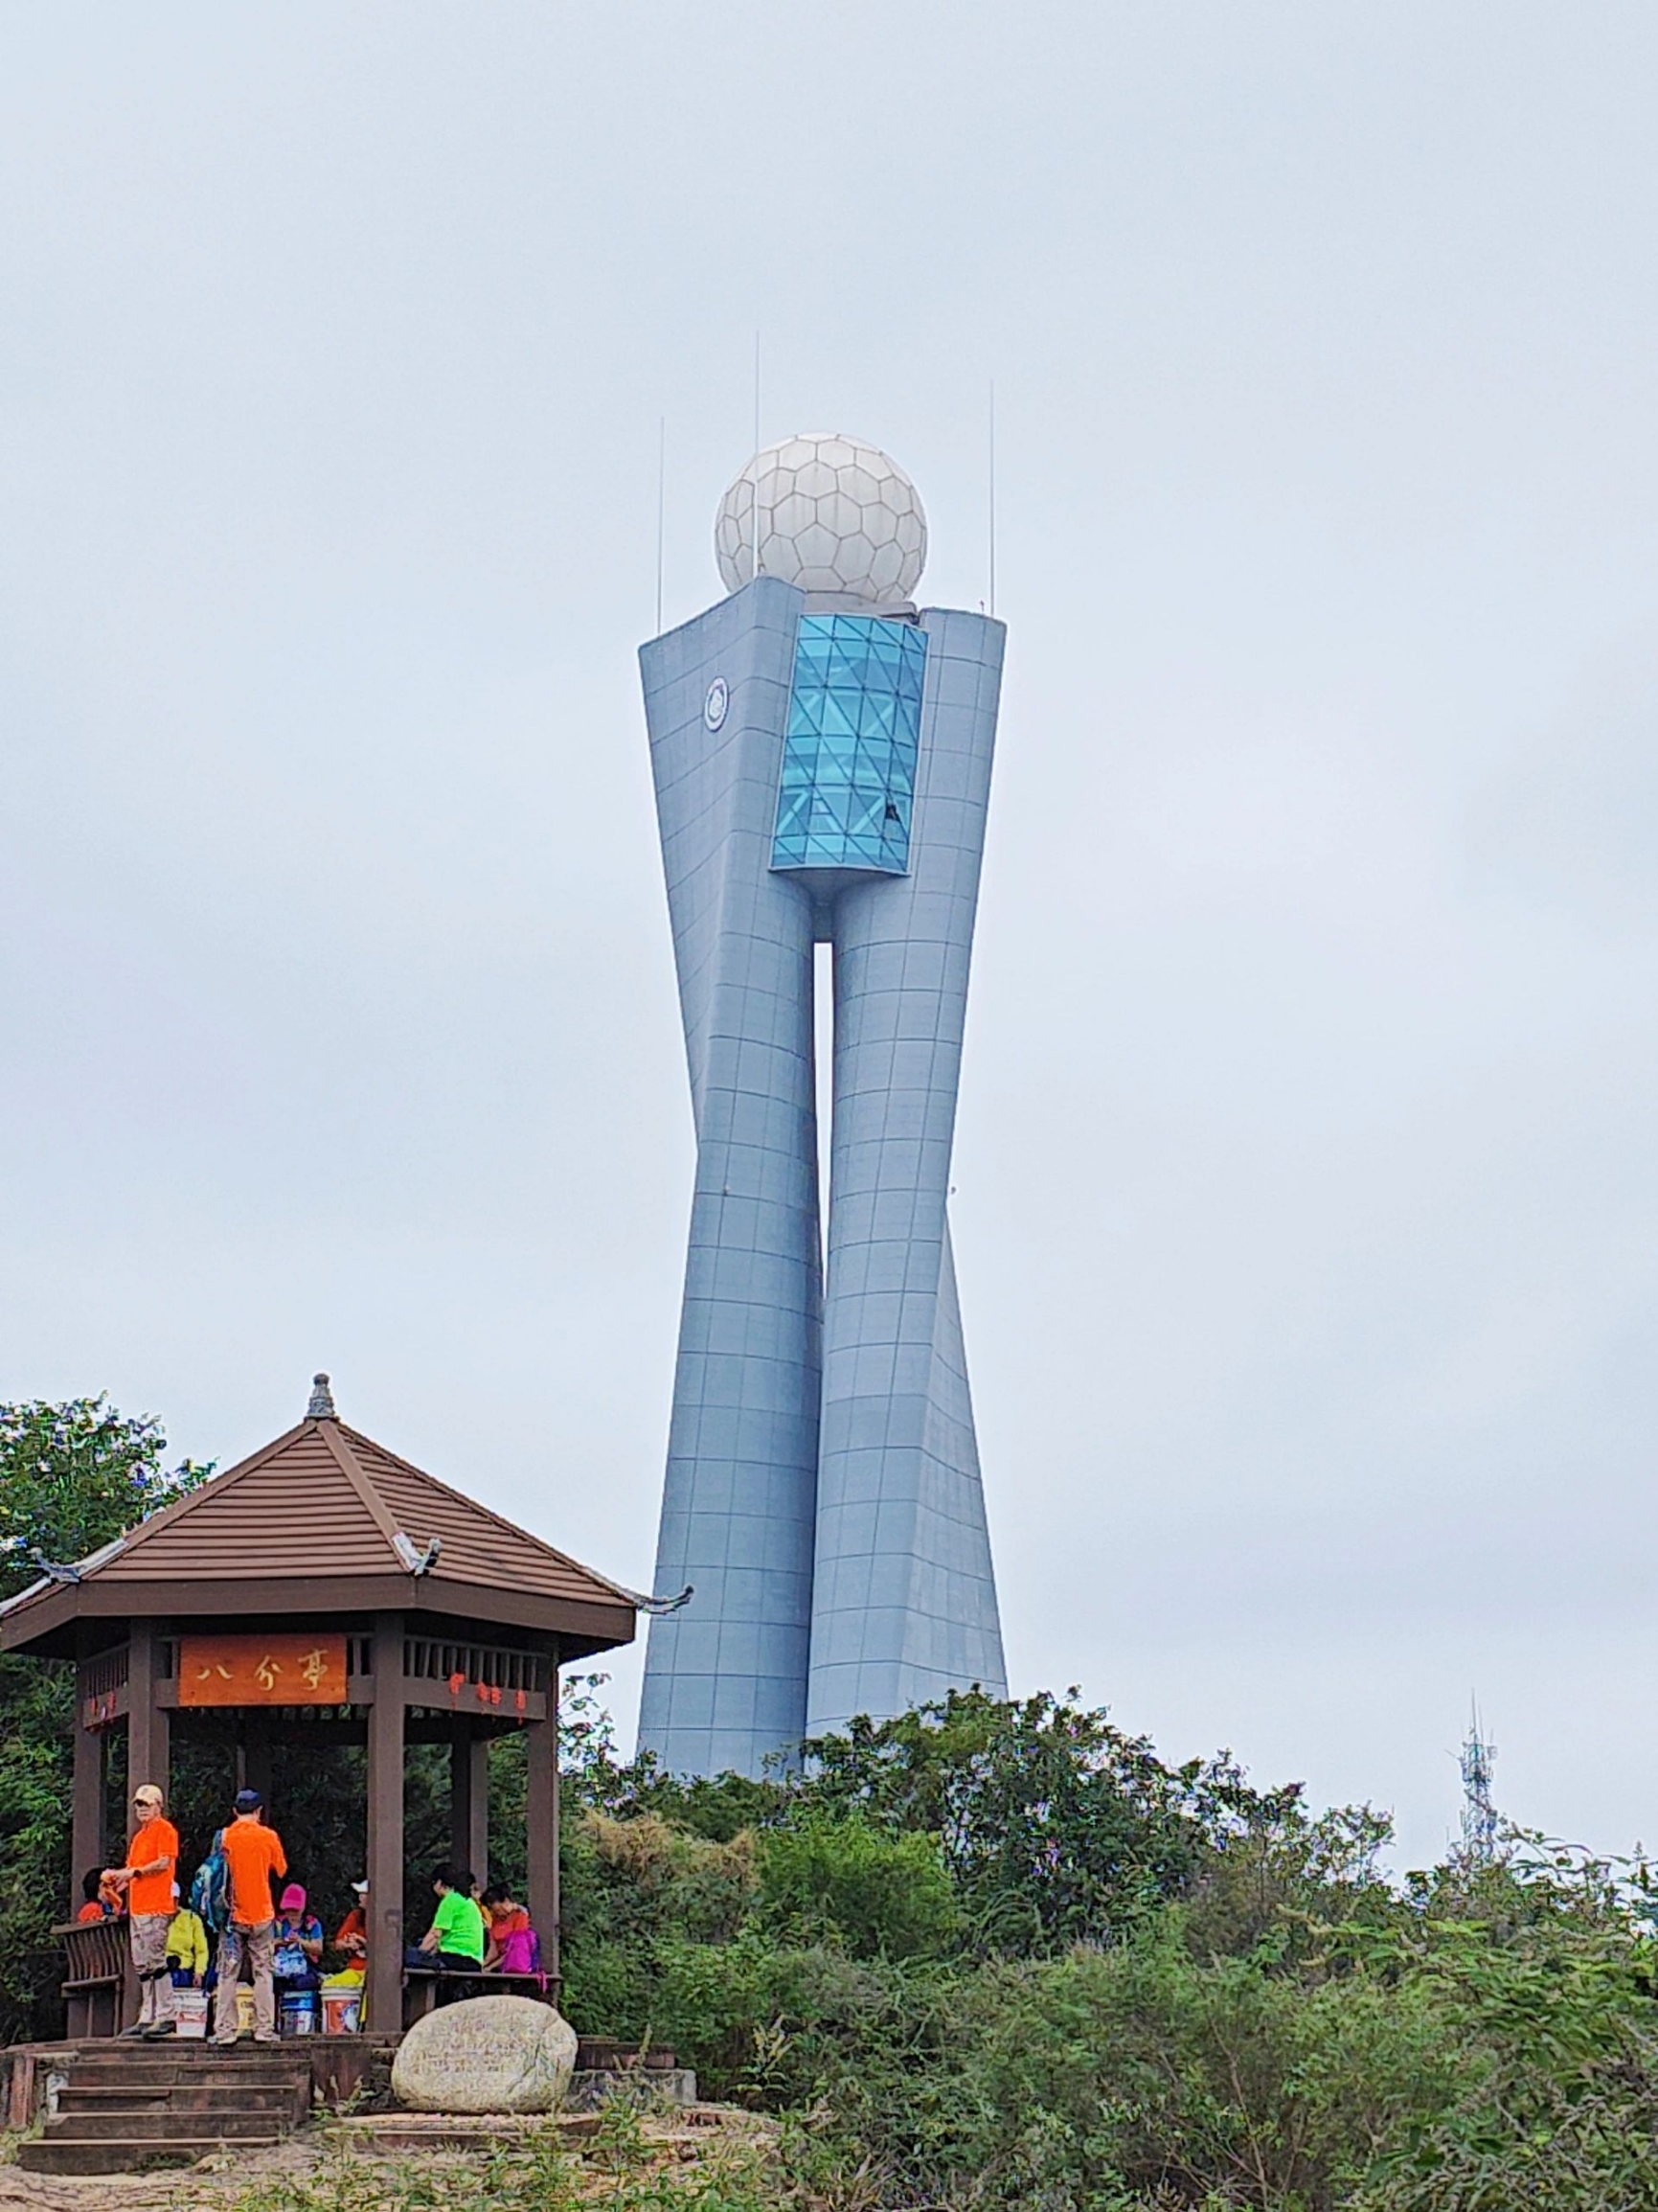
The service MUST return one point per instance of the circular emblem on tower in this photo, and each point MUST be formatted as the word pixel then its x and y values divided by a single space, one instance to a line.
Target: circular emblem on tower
pixel 714 705
pixel 831 514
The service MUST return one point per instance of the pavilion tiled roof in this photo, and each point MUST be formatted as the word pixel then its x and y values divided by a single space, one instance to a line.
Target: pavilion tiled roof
pixel 350 1499
pixel 366 1522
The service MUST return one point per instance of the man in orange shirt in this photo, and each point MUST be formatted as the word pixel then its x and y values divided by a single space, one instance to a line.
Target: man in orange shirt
pixel 253 1854
pixel 147 1878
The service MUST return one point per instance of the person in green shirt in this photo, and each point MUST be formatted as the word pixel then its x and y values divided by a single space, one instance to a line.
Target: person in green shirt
pixel 454 1943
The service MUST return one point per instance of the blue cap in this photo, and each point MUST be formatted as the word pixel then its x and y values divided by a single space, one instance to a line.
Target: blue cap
pixel 248 1801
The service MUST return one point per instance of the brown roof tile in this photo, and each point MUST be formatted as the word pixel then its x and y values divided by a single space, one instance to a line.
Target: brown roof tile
pixel 350 1496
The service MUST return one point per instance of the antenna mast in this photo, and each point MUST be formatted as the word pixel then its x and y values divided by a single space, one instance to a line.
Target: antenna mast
pixel 1479 1812
pixel 757 453
pixel 992 498
pixel 661 508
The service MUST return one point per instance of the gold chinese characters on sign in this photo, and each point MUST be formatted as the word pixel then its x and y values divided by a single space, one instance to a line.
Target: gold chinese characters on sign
pixel 282 1670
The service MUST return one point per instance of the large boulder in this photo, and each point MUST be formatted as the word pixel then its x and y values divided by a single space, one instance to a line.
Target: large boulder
pixel 486 2055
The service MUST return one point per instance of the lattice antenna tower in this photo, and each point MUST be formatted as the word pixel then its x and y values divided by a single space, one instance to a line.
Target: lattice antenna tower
pixel 1479 1756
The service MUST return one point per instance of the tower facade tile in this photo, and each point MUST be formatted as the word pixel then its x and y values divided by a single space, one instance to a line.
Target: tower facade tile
pixel 819 778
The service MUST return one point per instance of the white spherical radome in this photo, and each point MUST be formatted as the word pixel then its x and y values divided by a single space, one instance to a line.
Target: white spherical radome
pixel 836 516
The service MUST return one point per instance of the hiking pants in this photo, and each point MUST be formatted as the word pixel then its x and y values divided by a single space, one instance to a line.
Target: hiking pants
pixel 146 1933
pixel 258 1946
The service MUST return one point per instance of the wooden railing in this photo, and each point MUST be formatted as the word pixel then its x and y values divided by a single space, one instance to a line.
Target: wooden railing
pixel 100 1687
pixel 511 1682
pixel 95 1957
pixel 107 1671
pixel 498 1666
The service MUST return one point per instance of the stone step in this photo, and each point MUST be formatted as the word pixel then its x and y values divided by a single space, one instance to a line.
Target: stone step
pixel 119 2155
pixel 244 2049
pixel 400 2134
pixel 135 2104
pixel 109 2046
pixel 164 2124
pixel 282 2086
pixel 188 2065
pixel 182 2096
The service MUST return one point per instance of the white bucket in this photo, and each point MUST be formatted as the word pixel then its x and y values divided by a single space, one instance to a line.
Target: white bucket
pixel 190 2013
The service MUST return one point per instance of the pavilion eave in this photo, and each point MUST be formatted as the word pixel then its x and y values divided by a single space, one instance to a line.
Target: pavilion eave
pixel 44 1625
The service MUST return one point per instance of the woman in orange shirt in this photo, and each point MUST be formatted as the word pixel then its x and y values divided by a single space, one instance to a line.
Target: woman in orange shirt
pixel 515 1946
pixel 100 1903
pixel 352 1936
pixel 147 1879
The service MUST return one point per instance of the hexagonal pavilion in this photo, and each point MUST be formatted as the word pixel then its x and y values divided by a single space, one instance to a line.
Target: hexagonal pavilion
pixel 410 1615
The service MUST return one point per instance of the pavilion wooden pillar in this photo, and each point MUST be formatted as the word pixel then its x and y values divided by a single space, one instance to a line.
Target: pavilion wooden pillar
pixel 253 1755
pixel 147 1734
pixel 88 1843
pixel 469 1798
pixel 148 1745
pixel 386 1730
pixel 541 1818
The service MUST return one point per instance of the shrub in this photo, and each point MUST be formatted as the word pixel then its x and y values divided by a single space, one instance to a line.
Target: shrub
pixel 846 1883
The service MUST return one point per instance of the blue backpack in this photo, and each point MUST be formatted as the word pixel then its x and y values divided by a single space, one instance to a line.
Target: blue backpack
pixel 210 1890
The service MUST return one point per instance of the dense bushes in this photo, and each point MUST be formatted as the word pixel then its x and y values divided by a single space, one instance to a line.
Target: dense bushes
pixel 987 1955
pixel 997 1955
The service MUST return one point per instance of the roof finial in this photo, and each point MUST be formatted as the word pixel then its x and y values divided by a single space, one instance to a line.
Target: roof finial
pixel 322 1405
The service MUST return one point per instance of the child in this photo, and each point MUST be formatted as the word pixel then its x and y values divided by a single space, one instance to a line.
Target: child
pixel 187 1949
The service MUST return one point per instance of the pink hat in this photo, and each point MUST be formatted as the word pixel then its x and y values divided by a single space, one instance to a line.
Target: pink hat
pixel 293 1899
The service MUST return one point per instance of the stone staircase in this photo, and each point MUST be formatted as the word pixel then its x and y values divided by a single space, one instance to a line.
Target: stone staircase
pixel 126 2105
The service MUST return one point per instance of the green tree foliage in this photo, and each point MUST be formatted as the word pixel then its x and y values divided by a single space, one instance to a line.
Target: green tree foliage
pixel 998 1955
pixel 72 1478
pixel 74 1475
pixel 1054 1824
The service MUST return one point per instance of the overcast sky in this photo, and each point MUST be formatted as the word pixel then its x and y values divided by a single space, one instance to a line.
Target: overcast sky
pixel 1307 1210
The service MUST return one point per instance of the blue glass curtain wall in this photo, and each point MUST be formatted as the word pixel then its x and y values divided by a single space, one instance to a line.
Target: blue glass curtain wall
pixel 849 759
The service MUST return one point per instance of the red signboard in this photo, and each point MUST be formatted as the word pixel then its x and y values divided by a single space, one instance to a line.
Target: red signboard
pixel 278 1669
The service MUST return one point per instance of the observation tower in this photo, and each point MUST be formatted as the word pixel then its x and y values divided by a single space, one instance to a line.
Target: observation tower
pixel 821 752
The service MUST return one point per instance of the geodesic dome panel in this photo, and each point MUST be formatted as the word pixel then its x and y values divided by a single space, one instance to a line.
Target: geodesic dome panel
pixel 834 516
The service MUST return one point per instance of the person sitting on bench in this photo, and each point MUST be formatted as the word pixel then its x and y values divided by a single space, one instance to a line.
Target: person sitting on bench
pixel 102 1898
pixel 515 1946
pixel 454 1943
pixel 299 1946
pixel 352 1935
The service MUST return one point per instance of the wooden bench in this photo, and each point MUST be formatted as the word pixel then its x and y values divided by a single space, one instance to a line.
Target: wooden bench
pixel 423 1985
pixel 96 1960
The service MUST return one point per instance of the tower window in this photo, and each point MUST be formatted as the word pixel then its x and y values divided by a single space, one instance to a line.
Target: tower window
pixel 849 762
